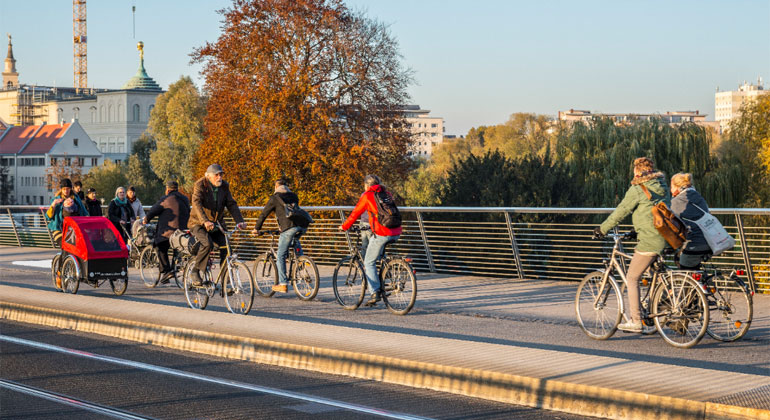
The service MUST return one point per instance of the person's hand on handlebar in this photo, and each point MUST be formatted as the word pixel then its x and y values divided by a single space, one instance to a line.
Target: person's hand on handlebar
pixel 597 234
pixel 340 228
pixel 631 235
pixel 209 226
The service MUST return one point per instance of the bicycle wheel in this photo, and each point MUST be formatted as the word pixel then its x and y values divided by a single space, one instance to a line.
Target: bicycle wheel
pixel 239 288
pixel 349 283
pixel 56 272
pixel 197 297
pixel 178 262
pixel 265 275
pixel 306 281
pixel 597 306
pixel 69 275
pixel 731 308
pixel 680 310
pixel 119 286
pixel 149 266
pixel 399 286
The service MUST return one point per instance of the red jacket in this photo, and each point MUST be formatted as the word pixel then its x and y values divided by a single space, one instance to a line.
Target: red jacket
pixel 367 203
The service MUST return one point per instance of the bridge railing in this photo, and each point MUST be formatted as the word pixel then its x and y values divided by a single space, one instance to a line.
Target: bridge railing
pixel 517 242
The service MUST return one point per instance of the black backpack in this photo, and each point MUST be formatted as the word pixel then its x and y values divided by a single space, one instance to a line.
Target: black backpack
pixel 295 213
pixel 387 212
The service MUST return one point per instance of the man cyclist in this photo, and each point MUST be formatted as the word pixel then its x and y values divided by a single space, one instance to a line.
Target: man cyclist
pixel 382 235
pixel 173 212
pixel 291 229
pixel 211 195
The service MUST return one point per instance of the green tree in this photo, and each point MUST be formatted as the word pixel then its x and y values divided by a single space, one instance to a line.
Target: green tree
pixel 139 171
pixel 176 125
pixel 106 179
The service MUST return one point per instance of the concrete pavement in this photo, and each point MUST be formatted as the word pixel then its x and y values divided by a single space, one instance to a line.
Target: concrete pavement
pixel 559 377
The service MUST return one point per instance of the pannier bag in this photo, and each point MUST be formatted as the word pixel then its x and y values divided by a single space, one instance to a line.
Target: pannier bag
pixel 183 242
pixel 143 234
pixel 296 214
pixel 670 227
pixel 716 236
pixel 387 213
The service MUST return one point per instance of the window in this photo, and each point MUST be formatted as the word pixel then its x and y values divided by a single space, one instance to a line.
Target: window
pixel 76 112
pixel 94 161
pixel 110 116
pixel 80 161
pixel 149 112
pixel 101 114
pixel 433 125
pixel 67 161
pixel 75 142
pixel 41 200
pixel 120 115
pixel 93 114
pixel 60 115
pixel 53 161
pixel 136 113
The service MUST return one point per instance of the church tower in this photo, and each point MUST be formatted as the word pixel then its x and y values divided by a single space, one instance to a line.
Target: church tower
pixel 10 75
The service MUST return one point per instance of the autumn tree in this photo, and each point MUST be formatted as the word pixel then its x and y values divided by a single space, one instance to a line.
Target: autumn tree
pixel 308 90
pixel 176 128
pixel 748 140
pixel 63 167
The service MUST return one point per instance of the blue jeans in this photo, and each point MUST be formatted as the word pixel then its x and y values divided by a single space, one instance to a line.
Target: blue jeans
pixel 286 239
pixel 373 252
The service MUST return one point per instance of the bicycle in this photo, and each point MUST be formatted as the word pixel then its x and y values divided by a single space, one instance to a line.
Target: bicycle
pixel 397 277
pixel 149 266
pixel 730 303
pixel 673 301
pixel 301 271
pixel 234 281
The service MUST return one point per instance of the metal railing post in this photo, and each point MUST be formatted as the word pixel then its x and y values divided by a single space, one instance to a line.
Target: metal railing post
pixel 50 235
pixel 425 243
pixel 13 224
pixel 347 234
pixel 514 245
pixel 745 251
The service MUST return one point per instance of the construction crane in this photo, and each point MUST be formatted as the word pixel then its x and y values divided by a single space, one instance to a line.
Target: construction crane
pixel 79 45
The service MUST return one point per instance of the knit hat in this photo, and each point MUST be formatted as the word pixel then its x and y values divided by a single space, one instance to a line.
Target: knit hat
pixel 65 183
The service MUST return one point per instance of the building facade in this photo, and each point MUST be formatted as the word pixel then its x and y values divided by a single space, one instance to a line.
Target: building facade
pixel 671 117
pixel 28 151
pixel 727 104
pixel 113 118
pixel 427 131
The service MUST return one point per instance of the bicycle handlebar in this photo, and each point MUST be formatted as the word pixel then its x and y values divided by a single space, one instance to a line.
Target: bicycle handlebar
pixel 359 228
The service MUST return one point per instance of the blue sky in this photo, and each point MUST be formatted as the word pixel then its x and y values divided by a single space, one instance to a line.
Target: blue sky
pixel 475 62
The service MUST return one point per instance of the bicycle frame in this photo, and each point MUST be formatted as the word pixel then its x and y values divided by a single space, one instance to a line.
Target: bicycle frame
pixel 291 259
pixel 228 261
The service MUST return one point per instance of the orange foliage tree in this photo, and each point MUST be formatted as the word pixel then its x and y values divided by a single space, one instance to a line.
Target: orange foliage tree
pixel 307 90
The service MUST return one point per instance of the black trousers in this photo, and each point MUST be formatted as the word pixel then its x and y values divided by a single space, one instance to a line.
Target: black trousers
pixel 207 240
pixel 163 247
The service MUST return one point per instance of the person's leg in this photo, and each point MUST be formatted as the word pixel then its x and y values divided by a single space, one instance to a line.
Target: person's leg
pixel 284 242
pixel 373 252
pixel 218 238
pixel 365 237
pixel 204 248
pixel 297 245
pixel 639 263
pixel 163 247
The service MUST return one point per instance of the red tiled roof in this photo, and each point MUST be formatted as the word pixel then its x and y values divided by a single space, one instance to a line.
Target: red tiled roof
pixel 45 139
pixel 16 137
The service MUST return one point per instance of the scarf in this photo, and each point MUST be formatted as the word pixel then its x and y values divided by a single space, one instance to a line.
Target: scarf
pixel 119 201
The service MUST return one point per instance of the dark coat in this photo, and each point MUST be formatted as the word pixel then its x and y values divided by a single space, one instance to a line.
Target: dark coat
pixel 204 209
pixel 173 212
pixel 684 207
pixel 114 214
pixel 274 204
pixel 94 207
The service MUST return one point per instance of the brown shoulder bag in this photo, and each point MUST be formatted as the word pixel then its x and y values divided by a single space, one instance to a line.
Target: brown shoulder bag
pixel 670 227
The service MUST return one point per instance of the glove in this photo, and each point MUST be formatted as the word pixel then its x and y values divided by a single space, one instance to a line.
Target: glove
pixel 598 233
pixel 631 235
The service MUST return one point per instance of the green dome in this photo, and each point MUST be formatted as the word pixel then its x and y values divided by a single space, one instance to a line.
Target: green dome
pixel 141 80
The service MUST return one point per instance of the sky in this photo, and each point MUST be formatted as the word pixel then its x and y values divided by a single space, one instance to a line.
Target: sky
pixel 475 62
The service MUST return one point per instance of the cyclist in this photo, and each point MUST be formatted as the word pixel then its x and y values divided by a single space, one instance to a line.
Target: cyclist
pixel 291 229
pixel 689 205
pixel 173 212
pixel 382 235
pixel 54 214
pixel 651 243
pixel 211 195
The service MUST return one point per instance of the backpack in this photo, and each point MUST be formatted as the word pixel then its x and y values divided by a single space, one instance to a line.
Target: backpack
pixel 670 227
pixel 183 242
pixel 295 213
pixel 387 213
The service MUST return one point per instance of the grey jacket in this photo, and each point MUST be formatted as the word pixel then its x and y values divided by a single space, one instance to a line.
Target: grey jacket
pixel 683 205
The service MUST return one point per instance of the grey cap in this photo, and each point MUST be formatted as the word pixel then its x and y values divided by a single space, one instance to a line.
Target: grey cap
pixel 214 168
pixel 172 185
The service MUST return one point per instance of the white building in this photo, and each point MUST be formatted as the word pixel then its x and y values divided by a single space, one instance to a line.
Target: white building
pixel 727 104
pixel 427 131
pixel 28 151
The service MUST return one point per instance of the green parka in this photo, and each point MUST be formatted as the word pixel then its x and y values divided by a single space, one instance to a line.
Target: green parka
pixel 636 201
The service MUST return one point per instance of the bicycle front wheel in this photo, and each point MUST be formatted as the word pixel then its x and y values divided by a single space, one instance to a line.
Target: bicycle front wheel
pixel 197 297
pixel 597 306
pixel 349 283
pixel 306 281
pixel 239 288
pixel 265 275
pixel 680 310
pixel 149 266
pixel 731 308
pixel 399 286
pixel 178 262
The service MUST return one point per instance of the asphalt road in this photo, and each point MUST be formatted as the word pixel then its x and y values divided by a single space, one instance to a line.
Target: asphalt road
pixel 501 311
pixel 224 388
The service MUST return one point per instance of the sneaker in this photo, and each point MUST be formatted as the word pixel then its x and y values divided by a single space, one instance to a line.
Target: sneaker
pixel 196 279
pixel 281 288
pixel 166 277
pixel 631 326
pixel 374 298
